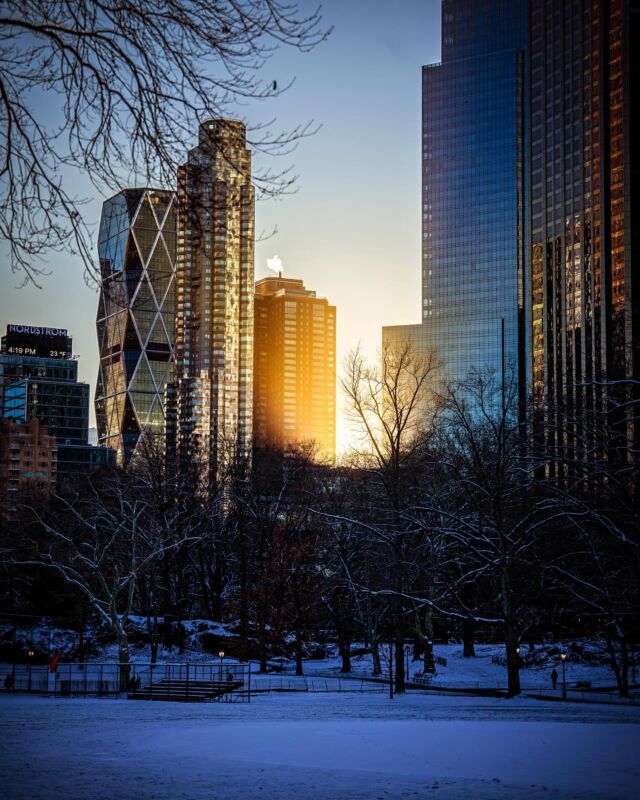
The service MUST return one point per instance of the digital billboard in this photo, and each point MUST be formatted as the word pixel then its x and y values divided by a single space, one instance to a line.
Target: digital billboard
pixel 34 340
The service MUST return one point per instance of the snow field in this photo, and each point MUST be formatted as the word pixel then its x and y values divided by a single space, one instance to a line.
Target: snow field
pixel 317 746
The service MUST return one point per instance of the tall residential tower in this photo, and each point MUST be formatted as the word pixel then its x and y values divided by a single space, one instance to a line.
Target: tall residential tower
pixel 294 367
pixel 212 398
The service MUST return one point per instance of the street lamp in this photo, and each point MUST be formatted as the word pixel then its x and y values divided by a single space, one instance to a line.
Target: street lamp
pixel 31 654
pixel 221 654
pixel 563 658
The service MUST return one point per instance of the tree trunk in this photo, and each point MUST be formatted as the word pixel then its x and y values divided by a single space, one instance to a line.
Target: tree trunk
pixel 152 633
pixel 123 657
pixel 375 657
pixel 399 665
pixel 262 646
pixel 620 666
pixel 244 603
pixel 429 663
pixel 399 618
pixel 510 638
pixel 418 648
pixel 299 670
pixel 344 648
pixel 513 662
pixel 81 643
pixel 429 660
pixel 468 639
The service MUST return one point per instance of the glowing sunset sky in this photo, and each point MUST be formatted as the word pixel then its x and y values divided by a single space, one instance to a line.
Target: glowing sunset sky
pixel 352 230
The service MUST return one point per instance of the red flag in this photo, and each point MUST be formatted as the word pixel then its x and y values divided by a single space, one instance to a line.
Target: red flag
pixel 54 663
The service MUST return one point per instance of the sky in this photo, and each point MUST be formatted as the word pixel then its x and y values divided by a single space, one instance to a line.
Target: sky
pixel 351 231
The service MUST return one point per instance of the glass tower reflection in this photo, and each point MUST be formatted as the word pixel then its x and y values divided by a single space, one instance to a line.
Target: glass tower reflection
pixel 585 179
pixel 135 319
pixel 473 189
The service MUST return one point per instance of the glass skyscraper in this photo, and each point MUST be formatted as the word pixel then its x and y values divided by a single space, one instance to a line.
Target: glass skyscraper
pixel 585 195
pixel 136 316
pixel 474 192
pixel 39 381
pixel 44 387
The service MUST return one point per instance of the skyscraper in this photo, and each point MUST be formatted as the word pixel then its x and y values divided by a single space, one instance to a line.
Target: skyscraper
pixel 473 189
pixel 136 316
pixel 294 398
pixel 28 461
pixel 39 379
pixel 212 398
pixel 585 191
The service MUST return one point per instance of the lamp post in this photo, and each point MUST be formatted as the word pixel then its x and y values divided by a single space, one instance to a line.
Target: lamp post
pixel 391 670
pixel 221 654
pixel 563 658
pixel 30 654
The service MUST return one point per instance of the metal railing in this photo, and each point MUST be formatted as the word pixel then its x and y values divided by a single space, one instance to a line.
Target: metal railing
pixel 265 684
pixel 218 681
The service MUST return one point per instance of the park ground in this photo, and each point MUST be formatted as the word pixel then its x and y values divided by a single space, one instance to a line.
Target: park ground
pixel 317 746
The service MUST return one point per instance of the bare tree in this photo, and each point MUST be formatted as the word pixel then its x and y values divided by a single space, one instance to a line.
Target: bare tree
pixel 596 573
pixel 102 540
pixel 494 509
pixel 132 80
pixel 393 407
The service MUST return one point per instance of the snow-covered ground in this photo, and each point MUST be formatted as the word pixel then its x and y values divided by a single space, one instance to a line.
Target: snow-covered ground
pixel 587 659
pixel 481 671
pixel 317 746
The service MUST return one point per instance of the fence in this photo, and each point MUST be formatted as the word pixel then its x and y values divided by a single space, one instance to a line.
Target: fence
pixel 220 681
pixel 266 684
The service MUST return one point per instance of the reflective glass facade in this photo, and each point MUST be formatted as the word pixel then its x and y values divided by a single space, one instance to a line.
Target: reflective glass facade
pixel 46 389
pixel 212 400
pixel 585 179
pixel 136 316
pixel 473 188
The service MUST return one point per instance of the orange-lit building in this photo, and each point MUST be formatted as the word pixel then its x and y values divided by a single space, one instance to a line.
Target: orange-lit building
pixel 584 219
pixel 294 389
pixel 28 460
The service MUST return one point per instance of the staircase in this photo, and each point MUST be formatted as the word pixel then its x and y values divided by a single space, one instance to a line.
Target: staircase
pixel 184 691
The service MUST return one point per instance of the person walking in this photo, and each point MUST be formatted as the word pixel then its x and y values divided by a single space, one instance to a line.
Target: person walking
pixel 554 677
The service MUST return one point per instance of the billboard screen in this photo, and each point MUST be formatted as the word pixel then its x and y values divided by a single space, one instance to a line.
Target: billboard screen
pixel 33 340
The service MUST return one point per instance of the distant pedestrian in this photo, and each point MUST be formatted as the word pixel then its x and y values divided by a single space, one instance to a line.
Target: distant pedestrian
pixel 9 682
pixel 554 677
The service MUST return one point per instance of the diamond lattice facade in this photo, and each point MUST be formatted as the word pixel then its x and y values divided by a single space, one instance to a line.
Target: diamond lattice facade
pixel 136 316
